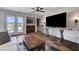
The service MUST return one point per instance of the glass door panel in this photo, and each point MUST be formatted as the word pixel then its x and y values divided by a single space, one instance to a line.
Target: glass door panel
pixel 10 23
pixel 20 24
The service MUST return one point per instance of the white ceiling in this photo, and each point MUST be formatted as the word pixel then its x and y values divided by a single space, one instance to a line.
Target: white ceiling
pixel 18 9
pixel 47 9
pixel 29 9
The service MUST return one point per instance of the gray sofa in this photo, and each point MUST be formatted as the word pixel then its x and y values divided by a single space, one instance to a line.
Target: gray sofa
pixel 6 43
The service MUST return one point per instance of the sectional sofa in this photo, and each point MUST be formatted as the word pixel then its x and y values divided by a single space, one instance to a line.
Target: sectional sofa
pixel 8 43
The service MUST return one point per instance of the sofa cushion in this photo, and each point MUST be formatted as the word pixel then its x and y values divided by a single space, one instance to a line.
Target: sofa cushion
pixel 4 37
pixel 9 46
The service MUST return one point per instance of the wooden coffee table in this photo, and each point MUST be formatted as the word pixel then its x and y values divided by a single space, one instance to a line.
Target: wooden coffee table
pixel 34 44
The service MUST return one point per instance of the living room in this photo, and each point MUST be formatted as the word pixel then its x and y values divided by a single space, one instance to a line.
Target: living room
pixel 23 23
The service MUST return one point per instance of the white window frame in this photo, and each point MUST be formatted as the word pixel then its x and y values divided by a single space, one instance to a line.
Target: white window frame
pixel 16 22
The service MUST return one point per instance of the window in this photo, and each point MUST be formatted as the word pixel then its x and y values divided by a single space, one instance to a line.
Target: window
pixel 14 23
pixel 10 23
pixel 20 24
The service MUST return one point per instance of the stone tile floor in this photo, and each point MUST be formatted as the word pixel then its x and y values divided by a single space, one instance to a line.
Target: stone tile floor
pixel 49 44
pixel 47 48
pixel 23 48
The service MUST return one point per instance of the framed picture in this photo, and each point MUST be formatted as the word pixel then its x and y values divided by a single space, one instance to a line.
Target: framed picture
pixel 30 20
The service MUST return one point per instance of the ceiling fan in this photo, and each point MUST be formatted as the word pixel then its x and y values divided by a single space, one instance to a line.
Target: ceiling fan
pixel 38 9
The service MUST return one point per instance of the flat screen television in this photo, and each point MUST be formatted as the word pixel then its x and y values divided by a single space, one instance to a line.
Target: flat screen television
pixel 58 20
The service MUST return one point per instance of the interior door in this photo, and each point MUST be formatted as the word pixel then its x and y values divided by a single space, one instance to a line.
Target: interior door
pixel 38 24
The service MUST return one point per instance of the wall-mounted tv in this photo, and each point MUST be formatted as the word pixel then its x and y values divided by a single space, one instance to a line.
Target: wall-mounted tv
pixel 58 20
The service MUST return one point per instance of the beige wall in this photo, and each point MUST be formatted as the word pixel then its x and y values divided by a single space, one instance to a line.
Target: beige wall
pixel 70 20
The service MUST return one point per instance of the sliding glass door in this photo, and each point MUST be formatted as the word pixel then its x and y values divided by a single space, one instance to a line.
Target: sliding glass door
pixel 20 24
pixel 14 23
pixel 10 23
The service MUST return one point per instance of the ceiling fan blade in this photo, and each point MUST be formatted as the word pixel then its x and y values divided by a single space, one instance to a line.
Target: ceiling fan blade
pixel 41 8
